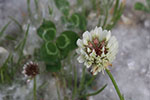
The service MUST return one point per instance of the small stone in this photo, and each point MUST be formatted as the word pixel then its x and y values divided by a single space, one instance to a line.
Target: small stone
pixel 147 23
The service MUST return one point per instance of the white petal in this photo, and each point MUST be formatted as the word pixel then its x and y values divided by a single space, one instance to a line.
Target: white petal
pixel 99 32
pixel 82 51
pixel 88 50
pixel 78 51
pixel 80 59
pixel 108 35
pixel 113 47
pixel 104 35
pixel 86 37
pixel 111 41
pixel 24 67
pixel 23 72
pixel 87 64
pixel 30 62
pixel 80 43
pixel 96 32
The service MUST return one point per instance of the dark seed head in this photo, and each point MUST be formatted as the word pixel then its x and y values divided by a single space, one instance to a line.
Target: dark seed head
pixel 31 69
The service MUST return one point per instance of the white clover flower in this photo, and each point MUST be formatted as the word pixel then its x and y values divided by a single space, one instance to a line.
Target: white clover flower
pixel 97 49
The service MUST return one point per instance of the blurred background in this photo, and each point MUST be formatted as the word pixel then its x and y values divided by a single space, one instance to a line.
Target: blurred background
pixel 131 68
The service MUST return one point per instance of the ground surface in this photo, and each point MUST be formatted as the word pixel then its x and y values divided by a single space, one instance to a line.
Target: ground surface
pixel 131 68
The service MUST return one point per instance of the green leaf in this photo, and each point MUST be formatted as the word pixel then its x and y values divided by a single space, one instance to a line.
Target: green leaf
pixel 40 31
pixel 49 52
pixel 48 24
pixel 78 20
pixel 75 19
pixel 47 28
pixel 54 66
pixel 51 48
pixel 72 36
pixel 49 34
pixel 63 6
pixel 66 42
pixel 62 41
pixel 140 6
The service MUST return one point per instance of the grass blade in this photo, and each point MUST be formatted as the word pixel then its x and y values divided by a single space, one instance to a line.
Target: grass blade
pixel 4 28
pixel 15 21
pixel 95 93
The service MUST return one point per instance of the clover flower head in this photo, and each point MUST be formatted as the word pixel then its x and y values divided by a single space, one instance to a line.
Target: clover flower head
pixel 97 49
pixel 30 70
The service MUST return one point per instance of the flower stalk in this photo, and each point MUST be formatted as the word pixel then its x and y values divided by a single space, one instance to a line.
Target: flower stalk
pixel 115 84
pixel 34 88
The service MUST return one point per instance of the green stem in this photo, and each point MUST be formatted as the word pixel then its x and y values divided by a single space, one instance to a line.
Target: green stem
pixel 90 81
pixel 115 85
pixel 17 23
pixel 82 80
pixel 64 81
pixel 34 89
pixel 36 5
pixel 2 76
pixel 28 7
pixel 58 92
pixel 95 93
pixel 75 82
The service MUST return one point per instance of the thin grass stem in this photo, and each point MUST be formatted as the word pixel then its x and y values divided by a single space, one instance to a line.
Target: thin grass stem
pixel 115 84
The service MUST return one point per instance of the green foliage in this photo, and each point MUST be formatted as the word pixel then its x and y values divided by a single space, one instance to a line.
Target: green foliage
pixel 72 36
pixel 49 52
pixel 63 6
pixel 5 74
pixel 148 3
pixel 78 20
pixel 140 6
pixel 117 10
pixel 49 34
pixel 66 42
pixel 17 23
pixel 47 31
pixel 62 41
pixel 94 93
pixel 53 66
pixel 4 28
pixel 50 10
pixel 55 49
